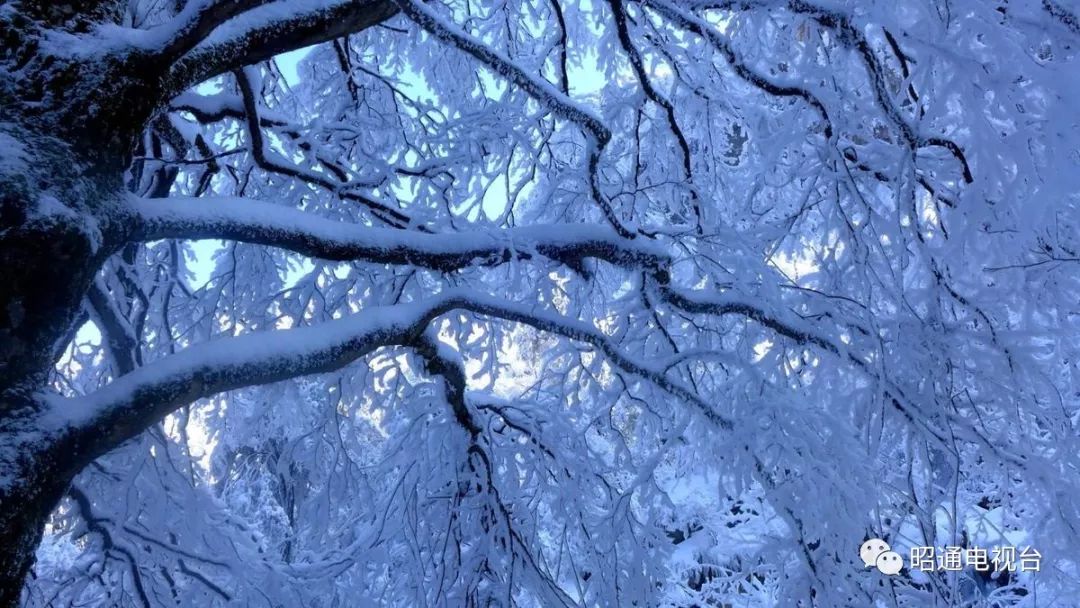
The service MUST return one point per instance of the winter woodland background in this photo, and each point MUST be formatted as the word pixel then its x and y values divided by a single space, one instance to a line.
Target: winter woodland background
pixel 738 285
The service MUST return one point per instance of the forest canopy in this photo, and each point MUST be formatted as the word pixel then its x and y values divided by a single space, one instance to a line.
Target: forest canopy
pixel 537 303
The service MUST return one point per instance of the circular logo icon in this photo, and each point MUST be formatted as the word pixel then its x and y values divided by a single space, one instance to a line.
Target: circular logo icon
pixel 889 563
pixel 871 549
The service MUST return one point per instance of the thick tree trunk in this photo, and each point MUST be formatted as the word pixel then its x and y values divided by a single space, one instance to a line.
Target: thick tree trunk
pixel 54 231
pixel 39 456
pixel 54 235
pixel 50 250
pixel 35 470
pixel 67 126
pixel 20 532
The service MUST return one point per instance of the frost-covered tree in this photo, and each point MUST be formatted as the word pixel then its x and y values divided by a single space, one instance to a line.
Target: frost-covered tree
pixel 537 303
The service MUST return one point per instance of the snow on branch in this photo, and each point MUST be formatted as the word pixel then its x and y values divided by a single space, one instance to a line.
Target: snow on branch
pixel 272 225
pixel 693 24
pixel 540 89
pixel 268 30
pixel 848 35
pixel 196 21
pixel 584 332
pixel 269 161
pixel 136 400
pixel 724 304
pixel 250 221
pixel 544 92
pixel 442 361
pixel 1059 12
pixel 853 38
pixel 622 29
pixel 131 403
pixel 796 330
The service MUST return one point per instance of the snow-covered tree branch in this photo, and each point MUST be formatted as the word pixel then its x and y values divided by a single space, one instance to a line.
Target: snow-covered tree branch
pixel 263 223
pixel 225 36
pixel 537 303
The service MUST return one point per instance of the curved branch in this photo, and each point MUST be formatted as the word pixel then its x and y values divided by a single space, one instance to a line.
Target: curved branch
pixel 564 35
pixel 196 21
pixel 267 224
pixel 693 24
pixel 122 409
pixel 724 305
pixel 1068 19
pixel 538 88
pixel 850 36
pixel 119 336
pixel 250 221
pixel 584 332
pixel 799 333
pixel 96 525
pixel 442 361
pixel 269 30
pixel 268 162
pixel 541 90
pixel 618 8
